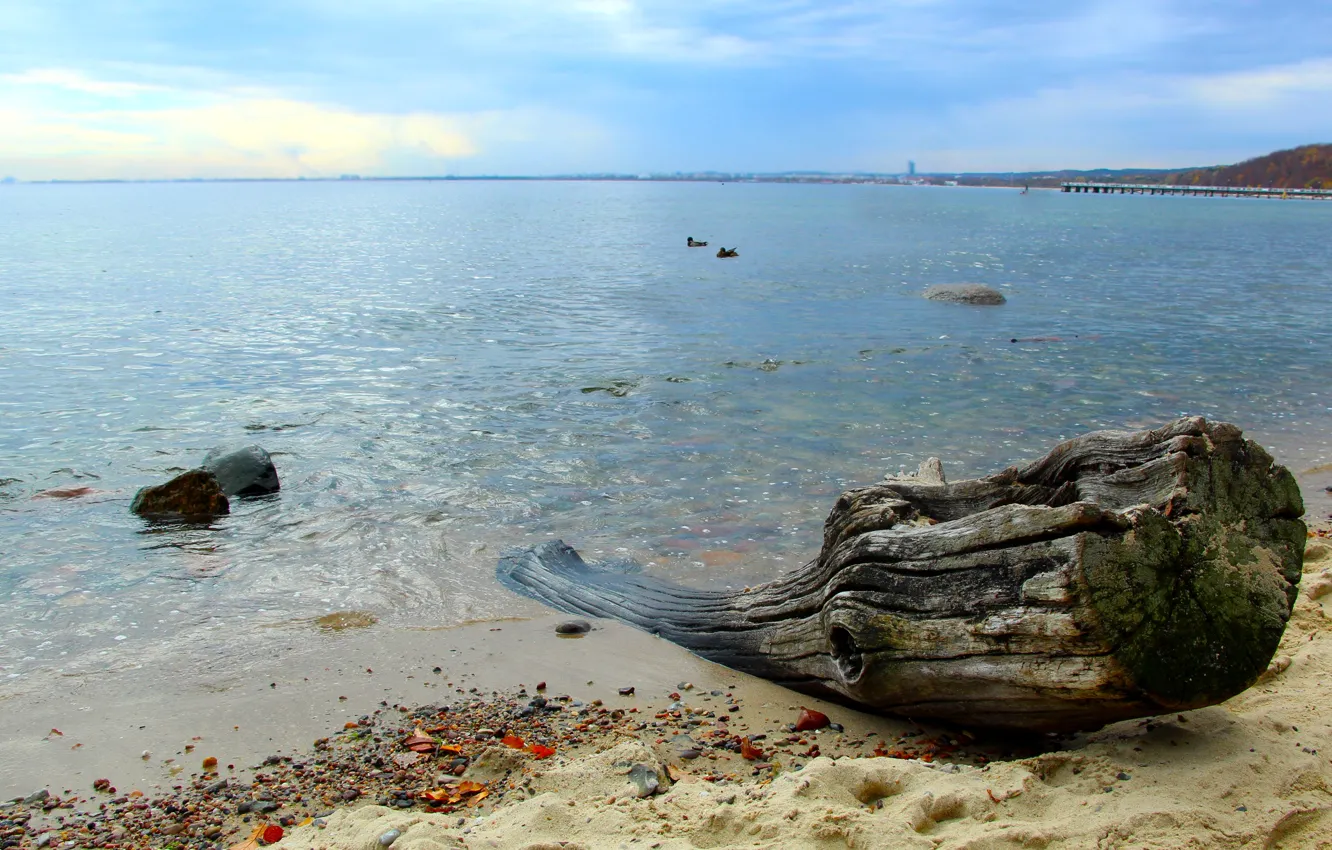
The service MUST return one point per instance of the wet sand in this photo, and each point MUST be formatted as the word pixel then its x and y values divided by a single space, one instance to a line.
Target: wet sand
pixel 1253 772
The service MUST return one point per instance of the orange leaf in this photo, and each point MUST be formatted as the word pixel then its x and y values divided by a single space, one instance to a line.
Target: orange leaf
pixel 436 795
pixel 467 786
pixel 513 741
pixel 749 751
pixel 541 751
pixel 450 748
pixel 420 743
pixel 472 801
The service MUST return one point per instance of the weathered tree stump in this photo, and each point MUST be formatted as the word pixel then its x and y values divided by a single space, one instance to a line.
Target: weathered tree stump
pixel 1121 575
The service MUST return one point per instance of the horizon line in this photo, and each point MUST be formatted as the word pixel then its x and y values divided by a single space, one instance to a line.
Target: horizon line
pixel 666 177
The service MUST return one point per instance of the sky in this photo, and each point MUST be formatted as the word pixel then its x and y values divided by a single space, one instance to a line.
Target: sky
pixel 134 89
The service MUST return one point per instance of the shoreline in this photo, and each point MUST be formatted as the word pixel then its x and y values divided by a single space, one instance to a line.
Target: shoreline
pixel 1252 772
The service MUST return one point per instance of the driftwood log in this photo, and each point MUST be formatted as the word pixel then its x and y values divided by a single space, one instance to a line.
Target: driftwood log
pixel 1121 575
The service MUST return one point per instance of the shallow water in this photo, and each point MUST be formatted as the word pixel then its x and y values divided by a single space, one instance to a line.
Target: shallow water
pixel 442 370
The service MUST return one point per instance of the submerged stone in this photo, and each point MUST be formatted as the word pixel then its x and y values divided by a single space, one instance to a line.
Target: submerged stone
pixel 965 293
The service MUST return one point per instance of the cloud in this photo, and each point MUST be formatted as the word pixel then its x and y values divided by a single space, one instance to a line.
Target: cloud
pixel 1129 119
pixel 64 124
pixel 558 86
pixel 1274 86
pixel 75 81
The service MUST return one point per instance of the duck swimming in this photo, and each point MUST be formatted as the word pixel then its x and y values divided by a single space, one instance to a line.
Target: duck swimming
pixel 728 252
pixel 692 243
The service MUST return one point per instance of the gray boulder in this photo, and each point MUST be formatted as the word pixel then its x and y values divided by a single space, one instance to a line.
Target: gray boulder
pixel 244 472
pixel 193 495
pixel 965 293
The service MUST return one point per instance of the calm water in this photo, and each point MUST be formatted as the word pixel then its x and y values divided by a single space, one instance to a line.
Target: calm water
pixel 442 370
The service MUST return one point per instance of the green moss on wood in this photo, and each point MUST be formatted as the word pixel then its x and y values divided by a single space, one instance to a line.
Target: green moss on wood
pixel 1194 605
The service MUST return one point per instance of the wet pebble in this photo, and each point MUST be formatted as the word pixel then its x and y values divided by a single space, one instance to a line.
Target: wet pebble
pixel 573 627
pixel 389 837
pixel 627 692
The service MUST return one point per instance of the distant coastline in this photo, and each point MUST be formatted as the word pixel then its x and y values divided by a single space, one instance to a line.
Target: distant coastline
pixel 1303 167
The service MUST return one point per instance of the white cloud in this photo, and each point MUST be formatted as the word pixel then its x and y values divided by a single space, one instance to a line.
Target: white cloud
pixel 1274 86
pixel 68 80
pixel 1126 120
pixel 64 124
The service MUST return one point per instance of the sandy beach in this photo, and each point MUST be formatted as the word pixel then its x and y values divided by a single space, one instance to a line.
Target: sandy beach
pixel 535 742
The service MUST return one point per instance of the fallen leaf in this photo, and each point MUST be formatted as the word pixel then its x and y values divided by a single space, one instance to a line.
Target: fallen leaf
pixel 467 786
pixel 749 751
pixel 540 751
pixel 420 742
pixel 472 801
pixel 272 834
pixel 55 732
pixel 452 749
pixel 513 741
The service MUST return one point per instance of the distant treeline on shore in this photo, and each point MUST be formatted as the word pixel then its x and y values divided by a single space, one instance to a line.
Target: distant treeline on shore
pixel 1304 167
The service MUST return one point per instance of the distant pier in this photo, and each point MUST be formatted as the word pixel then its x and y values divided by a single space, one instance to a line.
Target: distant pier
pixel 1209 191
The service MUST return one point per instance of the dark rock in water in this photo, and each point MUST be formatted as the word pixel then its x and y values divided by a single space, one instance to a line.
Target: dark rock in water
pixel 965 293
pixel 191 495
pixel 245 472
pixel 573 627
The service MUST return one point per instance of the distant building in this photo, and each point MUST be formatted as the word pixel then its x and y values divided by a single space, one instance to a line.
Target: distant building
pixel 911 168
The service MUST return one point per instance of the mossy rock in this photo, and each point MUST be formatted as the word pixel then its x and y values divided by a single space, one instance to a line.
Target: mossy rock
pixel 193 495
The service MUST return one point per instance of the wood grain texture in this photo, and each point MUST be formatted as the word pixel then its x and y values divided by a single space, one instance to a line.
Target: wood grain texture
pixel 1121 575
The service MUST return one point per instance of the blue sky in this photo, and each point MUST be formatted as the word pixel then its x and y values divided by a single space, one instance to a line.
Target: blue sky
pixel 172 88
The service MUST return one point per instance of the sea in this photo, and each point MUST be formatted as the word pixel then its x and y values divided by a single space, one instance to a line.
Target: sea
pixel 445 370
